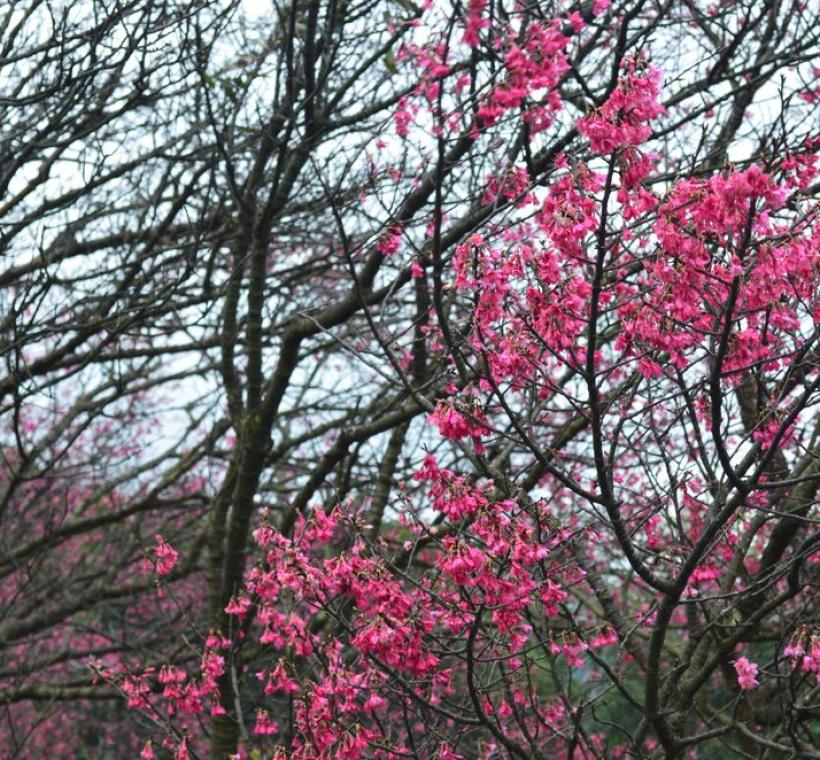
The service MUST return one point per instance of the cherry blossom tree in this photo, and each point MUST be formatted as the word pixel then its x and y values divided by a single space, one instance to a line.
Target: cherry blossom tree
pixel 386 379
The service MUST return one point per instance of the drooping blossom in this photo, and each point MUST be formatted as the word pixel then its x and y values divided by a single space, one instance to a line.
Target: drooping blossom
pixel 166 557
pixel 746 673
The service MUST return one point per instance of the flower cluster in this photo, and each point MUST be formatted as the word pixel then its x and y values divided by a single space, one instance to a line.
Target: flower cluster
pixel 623 120
pixel 166 557
pixel 746 673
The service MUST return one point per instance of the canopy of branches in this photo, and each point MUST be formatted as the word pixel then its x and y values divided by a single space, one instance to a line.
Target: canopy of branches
pixel 397 379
